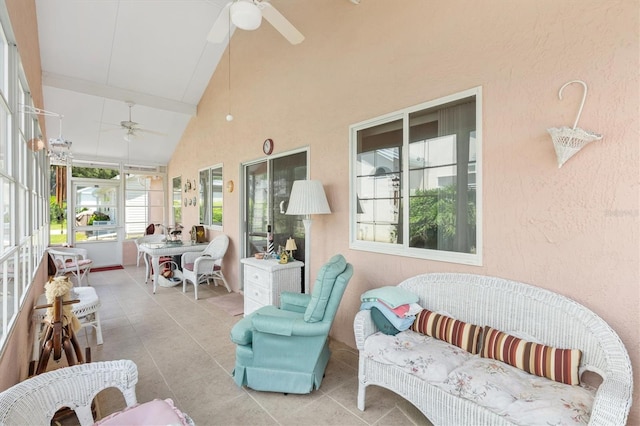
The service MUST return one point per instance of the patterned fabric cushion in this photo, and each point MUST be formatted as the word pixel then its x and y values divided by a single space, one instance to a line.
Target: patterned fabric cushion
pixel 458 333
pixel 425 357
pixel 560 365
pixel 519 397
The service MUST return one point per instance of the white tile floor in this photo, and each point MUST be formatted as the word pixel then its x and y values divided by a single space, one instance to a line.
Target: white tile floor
pixel 183 352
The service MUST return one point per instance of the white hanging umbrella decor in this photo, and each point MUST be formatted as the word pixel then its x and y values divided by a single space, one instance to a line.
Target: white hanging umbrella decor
pixel 568 141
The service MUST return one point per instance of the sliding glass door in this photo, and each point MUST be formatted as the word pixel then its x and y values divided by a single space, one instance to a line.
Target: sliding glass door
pixel 267 185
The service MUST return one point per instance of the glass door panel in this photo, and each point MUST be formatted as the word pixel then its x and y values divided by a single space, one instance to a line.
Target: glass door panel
pixel 267 189
pixel 256 208
pixel 96 212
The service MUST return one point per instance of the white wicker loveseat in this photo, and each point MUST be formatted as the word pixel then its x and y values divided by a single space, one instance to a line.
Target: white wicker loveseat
pixel 509 306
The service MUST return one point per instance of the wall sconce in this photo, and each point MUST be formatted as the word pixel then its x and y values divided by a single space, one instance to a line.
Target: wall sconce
pixel 36 144
pixel 230 186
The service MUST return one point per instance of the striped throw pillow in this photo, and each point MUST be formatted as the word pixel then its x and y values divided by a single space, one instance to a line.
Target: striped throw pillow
pixel 442 327
pixel 560 365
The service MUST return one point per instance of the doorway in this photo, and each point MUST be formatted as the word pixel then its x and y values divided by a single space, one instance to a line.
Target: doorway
pixel 95 224
pixel 267 186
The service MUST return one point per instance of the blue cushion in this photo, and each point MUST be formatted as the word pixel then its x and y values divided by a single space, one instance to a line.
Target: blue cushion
pixel 382 322
pixel 392 296
pixel 322 288
pixel 401 324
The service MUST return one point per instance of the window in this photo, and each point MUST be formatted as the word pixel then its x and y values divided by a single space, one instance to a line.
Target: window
pixel 211 196
pixel 176 197
pixel 144 203
pixel 24 196
pixel 416 182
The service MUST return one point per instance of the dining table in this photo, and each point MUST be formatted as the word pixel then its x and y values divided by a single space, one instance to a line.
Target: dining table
pixel 153 251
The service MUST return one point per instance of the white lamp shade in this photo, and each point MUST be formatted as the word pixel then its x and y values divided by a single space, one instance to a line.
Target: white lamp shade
pixel 307 197
pixel 245 15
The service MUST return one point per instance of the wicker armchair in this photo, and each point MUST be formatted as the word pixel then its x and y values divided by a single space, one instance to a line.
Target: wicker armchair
pixel 36 400
pixel 71 260
pixel 198 267
pixel 153 238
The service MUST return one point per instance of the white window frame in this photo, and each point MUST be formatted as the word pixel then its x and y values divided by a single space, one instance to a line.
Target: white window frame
pixel 23 193
pixel 404 249
pixel 206 207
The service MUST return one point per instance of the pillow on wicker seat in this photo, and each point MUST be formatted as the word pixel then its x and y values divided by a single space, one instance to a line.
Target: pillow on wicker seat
pixel 156 412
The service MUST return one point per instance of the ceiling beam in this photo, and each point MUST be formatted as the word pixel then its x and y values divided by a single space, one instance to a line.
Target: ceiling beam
pixel 101 90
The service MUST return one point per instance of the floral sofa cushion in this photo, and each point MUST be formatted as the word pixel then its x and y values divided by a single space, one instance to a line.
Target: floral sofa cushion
pixel 430 359
pixel 521 397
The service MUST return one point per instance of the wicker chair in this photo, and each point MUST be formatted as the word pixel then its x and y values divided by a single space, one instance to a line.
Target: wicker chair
pixel 36 400
pixel 71 260
pixel 198 267
pixel 152 238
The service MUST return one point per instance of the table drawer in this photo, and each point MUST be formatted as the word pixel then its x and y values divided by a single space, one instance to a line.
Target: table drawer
pixel 259 276
pixel 250 305
pixel 257 292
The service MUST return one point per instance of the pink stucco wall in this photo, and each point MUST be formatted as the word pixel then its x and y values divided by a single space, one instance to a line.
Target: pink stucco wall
pixel 574 230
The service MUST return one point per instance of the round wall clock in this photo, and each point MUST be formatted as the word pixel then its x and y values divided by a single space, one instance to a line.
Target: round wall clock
pixel 267 146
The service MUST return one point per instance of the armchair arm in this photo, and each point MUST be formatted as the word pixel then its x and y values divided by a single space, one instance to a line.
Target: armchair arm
pixel 613 400
pixel 363 327
pixel 295 302
pixel 204 264
pixel 284 326
pixel 189 257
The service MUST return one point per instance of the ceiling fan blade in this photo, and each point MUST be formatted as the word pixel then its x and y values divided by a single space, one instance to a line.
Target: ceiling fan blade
pixel 151 132
pixel 220 28
pixel 281 23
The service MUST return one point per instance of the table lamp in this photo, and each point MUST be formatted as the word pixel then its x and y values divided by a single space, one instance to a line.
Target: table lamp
pixel 290 247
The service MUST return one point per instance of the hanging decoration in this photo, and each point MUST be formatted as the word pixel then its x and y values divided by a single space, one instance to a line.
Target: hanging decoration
pixel 59 148
pixel 568 141
pixel 61 185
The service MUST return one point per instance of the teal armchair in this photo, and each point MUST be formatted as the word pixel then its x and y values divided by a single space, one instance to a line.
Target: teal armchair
pixel 286 349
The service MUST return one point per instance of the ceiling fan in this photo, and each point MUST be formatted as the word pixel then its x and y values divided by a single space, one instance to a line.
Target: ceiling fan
pixel 247 15
pixel 131 128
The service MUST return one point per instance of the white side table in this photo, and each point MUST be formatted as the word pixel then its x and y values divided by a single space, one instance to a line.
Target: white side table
pixel 264 280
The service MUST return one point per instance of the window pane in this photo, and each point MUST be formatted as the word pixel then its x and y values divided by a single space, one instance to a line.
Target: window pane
pixel 177 199
pixel 441 186
pixel 379 183
pixel 143 203
pixel 8 293
pixel 216 196
pixel 7 220
pixel 5 131
pixel 203 196
pixel 96 211
pixel 4 63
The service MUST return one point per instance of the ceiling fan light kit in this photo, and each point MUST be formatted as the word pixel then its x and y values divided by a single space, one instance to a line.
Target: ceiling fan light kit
pixel 245 15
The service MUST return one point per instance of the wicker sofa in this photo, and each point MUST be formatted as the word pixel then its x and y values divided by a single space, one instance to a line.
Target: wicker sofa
pixel 547 317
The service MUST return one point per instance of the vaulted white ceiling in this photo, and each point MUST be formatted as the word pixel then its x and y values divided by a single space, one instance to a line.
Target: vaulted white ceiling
pixel 97 55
